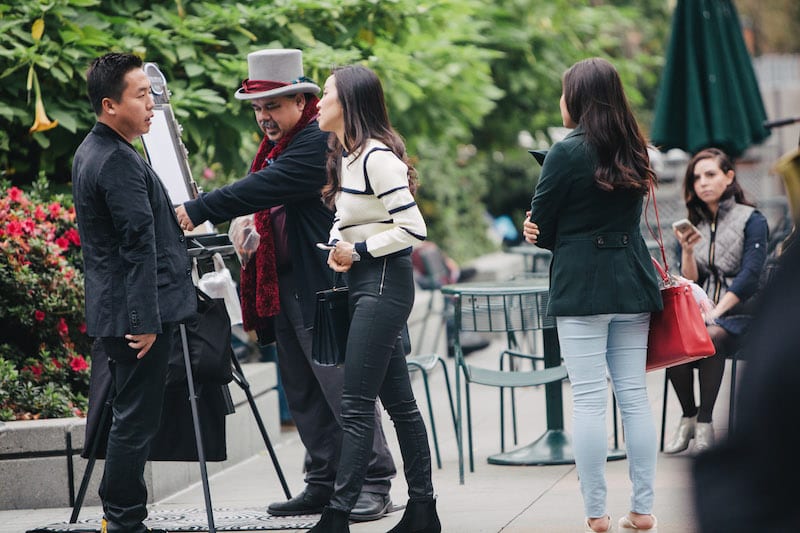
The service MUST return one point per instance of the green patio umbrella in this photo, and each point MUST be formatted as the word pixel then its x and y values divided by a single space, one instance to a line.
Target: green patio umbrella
pixel 708 94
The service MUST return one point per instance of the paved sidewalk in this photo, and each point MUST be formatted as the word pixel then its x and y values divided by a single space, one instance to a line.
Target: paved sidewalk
pixel 493 499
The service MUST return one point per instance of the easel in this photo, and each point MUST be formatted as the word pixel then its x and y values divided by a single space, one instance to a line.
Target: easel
pixel 201 247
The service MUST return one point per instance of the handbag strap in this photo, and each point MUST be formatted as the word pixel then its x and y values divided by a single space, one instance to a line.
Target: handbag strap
pixel 663 272
pixel 201 295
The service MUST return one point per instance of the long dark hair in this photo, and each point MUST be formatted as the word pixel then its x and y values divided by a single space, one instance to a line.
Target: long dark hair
pixel 365 117
pixel 698 210
pixel 596 101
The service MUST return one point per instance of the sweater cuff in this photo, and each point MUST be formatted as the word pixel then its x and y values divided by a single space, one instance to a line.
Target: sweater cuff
pixel 361 248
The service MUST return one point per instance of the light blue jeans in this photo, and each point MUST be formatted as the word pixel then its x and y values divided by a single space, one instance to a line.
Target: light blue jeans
pixel 589 345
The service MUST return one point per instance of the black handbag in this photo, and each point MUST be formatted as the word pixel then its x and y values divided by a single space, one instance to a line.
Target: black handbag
pixel 331 327
pixel 208 333
pixel 175 440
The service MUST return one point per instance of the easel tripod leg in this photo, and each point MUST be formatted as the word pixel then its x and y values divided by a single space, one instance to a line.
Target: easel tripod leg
pixel 201 456
pixel 105 418
pixel 238 377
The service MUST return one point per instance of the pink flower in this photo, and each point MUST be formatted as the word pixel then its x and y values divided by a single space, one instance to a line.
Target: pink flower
pixel 55 209
pixel 14 228
pixel 36 369
pixel 208 173
pixel 62 243
pixel 15 194
pixel 39 213
pixel 38 315
pixel 62 327
pixel 73 236
pixel 78 364
pixel 82 328
pixel 29 226
pixel 56 362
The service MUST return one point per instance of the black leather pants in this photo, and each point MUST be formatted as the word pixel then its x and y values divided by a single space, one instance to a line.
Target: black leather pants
pixel 314 394
pixel 381 297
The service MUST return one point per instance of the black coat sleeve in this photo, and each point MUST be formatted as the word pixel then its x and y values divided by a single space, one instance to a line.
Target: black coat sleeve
pixel 297 174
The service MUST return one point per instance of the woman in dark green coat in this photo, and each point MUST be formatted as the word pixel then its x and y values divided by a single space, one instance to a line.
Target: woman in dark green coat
pixel 603 286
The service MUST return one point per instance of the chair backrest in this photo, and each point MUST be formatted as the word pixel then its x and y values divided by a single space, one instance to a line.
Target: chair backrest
pixel 430 266
pixel 507 312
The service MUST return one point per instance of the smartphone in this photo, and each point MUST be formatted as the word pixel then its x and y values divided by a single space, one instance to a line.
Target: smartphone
pixel 325 246
pixel 683 226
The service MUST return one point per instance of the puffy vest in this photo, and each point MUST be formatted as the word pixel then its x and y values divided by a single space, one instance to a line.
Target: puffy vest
pixel 720 255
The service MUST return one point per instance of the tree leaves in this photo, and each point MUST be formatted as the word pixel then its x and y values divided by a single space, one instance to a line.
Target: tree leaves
pixel 455 72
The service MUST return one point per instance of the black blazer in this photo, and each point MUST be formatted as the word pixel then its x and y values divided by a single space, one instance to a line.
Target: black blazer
pixel 293 180
pixel 137 270
pixel 600 260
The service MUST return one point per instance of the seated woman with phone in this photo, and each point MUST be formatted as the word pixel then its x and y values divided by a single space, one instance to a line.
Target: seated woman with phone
pixel 723 248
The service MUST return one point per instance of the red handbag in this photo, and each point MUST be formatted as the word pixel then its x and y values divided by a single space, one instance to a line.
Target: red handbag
pixel 678 334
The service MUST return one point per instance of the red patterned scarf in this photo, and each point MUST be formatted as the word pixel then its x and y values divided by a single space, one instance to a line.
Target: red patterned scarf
pixel 259 282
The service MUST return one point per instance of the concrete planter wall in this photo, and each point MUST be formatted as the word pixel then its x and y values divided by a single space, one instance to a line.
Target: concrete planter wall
pixel 39 457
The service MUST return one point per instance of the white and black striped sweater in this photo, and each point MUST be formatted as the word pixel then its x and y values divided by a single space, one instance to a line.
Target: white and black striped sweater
pixel 375 209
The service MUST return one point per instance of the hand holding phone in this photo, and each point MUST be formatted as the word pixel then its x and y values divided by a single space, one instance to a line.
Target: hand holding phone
pixel 686 228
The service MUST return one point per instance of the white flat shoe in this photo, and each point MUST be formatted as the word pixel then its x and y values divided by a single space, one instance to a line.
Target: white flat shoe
pixel 626 524
pixel 588 528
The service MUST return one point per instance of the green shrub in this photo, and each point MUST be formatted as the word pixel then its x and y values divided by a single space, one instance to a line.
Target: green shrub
pixel 44 362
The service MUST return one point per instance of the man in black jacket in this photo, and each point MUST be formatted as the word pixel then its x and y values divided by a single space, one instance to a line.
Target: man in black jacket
pixel 283 190
pixel 138 280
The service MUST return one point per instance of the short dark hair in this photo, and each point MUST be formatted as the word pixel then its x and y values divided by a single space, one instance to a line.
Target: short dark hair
pixel 105 77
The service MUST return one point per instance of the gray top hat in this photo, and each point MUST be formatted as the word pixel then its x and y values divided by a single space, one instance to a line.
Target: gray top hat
pixel 275 72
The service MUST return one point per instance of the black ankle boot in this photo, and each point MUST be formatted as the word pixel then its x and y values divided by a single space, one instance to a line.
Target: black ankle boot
pixel 332 521
pixel 419 517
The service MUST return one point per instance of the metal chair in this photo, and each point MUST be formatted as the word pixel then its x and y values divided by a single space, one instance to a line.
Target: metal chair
pixel 430 273
pixel 425 363
pixel 432 270
pixel 511 310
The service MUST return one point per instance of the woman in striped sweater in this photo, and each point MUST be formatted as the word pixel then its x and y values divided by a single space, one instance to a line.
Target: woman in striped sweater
pixel 377 222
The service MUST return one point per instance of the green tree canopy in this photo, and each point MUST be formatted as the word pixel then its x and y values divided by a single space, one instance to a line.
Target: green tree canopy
pixel 463 78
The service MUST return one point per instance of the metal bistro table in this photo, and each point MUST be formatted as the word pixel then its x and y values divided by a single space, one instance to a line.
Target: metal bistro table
pixel 553 447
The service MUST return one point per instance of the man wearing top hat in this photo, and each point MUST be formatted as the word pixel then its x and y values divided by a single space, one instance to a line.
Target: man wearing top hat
pixel 279 284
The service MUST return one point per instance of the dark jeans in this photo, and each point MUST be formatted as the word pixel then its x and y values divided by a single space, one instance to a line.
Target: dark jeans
pixel 314 395
pixel 138 399
pixel 381 296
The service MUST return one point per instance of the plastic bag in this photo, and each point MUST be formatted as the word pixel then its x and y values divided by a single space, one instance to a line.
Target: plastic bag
pixel 706 304
pixel 220 284
pixel 244 237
